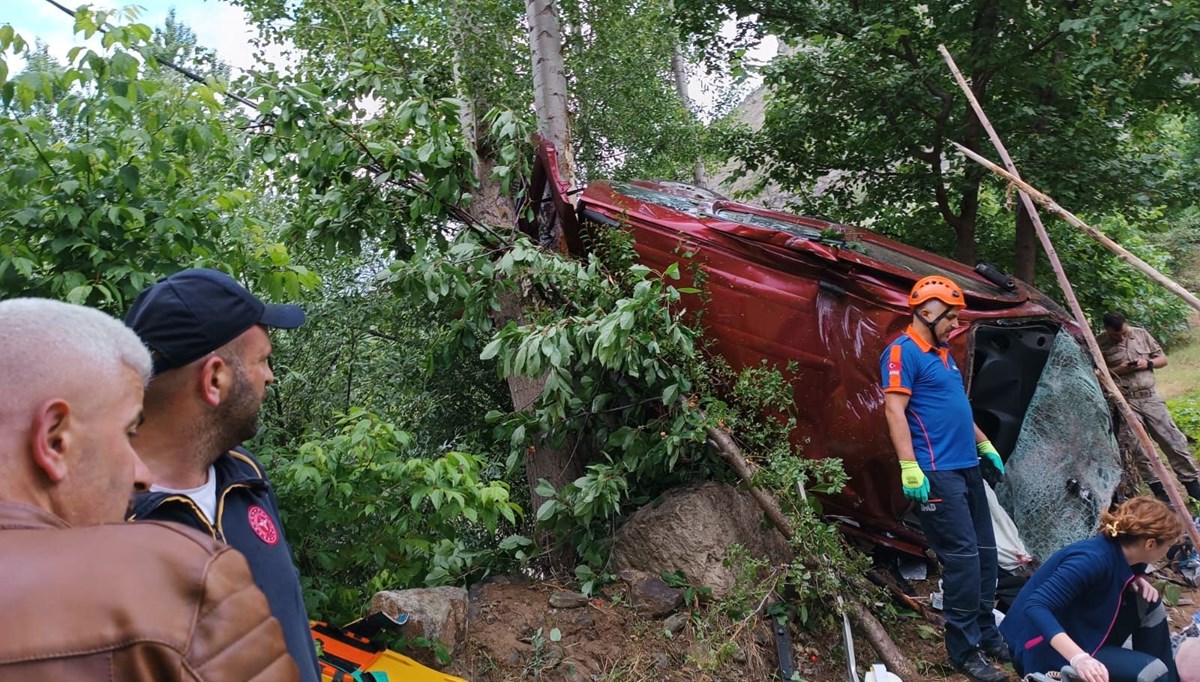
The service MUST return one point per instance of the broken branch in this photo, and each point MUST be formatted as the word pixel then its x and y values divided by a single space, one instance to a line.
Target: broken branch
pixel 896 661
pixel 1122 253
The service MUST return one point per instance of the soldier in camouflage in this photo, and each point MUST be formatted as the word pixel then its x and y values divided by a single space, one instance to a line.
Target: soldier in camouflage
pixel 1132 355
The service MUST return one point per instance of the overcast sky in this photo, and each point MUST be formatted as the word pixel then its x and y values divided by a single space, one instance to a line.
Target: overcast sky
pixel 218 25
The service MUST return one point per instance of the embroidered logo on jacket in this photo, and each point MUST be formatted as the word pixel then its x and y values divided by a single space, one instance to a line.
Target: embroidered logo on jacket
pixel 263 525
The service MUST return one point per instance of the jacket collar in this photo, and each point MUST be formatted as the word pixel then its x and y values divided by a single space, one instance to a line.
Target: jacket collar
pixel 21 516
pixel 235 467
pixel 925 347
pixel 1118 558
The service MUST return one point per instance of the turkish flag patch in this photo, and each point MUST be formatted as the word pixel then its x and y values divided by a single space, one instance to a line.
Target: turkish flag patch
pixel 262 524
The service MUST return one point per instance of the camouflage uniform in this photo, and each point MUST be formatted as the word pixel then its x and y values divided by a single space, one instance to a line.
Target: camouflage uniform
pixel 1138 387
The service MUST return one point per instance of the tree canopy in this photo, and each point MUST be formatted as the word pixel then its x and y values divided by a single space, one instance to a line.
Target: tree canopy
pixel 863 105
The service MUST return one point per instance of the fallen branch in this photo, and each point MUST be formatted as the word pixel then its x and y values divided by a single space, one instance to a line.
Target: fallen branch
pixel 1105 377
pixel 930 615
pixel 874 631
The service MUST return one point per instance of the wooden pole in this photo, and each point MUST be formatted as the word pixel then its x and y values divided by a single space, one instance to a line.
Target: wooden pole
pixel 1026 192
pixel 876 634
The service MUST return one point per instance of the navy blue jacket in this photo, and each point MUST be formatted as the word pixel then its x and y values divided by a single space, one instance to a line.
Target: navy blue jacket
pixel 1078 591
pixel 248 520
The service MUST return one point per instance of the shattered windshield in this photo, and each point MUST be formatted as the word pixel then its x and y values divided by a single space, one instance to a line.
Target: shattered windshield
pixel 791 228
pixel 690 206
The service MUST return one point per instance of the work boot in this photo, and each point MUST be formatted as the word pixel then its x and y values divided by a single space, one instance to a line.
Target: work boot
pixel 976 667
pixel 1160 492
pixel 1193 489
pixel 998 653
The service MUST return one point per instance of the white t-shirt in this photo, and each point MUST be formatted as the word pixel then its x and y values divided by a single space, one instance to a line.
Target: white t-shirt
pixel 205 496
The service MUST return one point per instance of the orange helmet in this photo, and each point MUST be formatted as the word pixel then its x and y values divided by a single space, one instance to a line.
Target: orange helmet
pixel 936 286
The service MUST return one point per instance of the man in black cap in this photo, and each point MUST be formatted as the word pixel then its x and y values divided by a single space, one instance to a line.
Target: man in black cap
pixel 208 338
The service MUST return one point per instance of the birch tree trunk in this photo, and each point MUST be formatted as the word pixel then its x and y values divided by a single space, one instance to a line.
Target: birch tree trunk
pixel 679 69
pixel 564 464
pixel 550 82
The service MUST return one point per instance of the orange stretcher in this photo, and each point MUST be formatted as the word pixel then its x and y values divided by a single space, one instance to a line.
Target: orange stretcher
pixel 348 655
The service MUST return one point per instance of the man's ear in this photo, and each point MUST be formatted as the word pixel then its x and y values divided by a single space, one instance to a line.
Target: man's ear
pixel 51 439
pixel 216 376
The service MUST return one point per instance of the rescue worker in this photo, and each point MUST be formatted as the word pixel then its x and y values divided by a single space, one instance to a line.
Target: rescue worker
pixel 939 448
pixel 1090 597
pixel 208 337
pixel 1132 355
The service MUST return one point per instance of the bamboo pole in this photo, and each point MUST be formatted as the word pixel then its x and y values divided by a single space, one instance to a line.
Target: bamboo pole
pixel 1105 377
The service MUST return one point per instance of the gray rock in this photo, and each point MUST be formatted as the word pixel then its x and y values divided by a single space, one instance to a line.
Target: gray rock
pixel 675 623
pixel 567 600
pixel 662 661
pixel 690 531
pixel 649 595
pixel 572 670
pixel 436 613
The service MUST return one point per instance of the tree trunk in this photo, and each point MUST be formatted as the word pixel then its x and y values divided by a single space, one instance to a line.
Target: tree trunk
pixel 550 82
pixel 679 69
pixel 559 466
pixel 964 230
pixel 1025 254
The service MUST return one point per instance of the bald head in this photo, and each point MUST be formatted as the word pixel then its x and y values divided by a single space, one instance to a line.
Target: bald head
pixel 71 384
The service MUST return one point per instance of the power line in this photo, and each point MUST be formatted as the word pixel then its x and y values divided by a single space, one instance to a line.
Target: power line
pixel 451 209
pixel 183 71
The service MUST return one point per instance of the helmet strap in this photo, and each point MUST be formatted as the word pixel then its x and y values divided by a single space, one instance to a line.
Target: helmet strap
pixel 932 324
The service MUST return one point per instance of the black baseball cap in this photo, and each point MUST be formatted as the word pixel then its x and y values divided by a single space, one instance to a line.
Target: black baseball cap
pixel 190 314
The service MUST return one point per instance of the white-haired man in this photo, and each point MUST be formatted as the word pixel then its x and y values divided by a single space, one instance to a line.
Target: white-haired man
pixel 85 596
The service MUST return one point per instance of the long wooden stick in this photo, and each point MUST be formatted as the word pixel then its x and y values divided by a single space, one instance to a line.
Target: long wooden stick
pixel 1121 253
pixel 876 634
pixel 1069 292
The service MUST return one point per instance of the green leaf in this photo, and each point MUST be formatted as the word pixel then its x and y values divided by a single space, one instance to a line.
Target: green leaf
pixel 544 488
pixel 79 294
pixel 130 176
pixel 491 350
pixel 548 509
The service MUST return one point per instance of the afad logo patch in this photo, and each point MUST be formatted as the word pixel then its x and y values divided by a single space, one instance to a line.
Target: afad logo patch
pixel 262 524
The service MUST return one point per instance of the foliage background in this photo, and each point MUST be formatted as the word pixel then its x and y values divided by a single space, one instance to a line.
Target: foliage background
pixel 353 183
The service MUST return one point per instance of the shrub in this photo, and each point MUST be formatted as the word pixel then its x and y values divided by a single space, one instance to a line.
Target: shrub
pixel 364 517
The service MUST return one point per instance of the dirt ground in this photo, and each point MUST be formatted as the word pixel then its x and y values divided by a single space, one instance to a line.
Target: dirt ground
pixel 515 635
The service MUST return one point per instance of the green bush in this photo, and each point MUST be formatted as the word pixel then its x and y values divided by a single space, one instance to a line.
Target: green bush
pixel 1185 410
pixel 363 516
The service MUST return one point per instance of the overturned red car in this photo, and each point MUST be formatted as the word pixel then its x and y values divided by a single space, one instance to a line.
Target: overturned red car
pixel 827 298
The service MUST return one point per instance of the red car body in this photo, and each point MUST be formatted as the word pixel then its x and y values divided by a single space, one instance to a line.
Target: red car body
pixel 826 299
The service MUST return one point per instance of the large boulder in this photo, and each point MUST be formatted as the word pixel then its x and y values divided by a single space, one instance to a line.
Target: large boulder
pixel 690 530
pixel 436 613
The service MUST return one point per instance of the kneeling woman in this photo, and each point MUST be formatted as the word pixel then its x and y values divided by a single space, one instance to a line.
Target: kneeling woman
pixel 1083 603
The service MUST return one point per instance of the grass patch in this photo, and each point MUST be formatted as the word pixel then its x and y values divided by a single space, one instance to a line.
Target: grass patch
pixel 1181 376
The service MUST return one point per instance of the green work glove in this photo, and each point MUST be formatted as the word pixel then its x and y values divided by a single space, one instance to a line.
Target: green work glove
pixel 985 449
pixel 916 486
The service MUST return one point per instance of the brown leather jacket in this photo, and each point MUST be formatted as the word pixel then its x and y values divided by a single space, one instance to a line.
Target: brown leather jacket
pixel 144 601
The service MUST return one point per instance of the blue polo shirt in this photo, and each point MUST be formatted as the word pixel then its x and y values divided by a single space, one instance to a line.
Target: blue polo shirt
pixel 939 414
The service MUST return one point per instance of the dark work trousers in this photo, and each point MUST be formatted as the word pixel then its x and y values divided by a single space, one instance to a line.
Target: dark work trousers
pixel 1150 659
pixel 958 526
